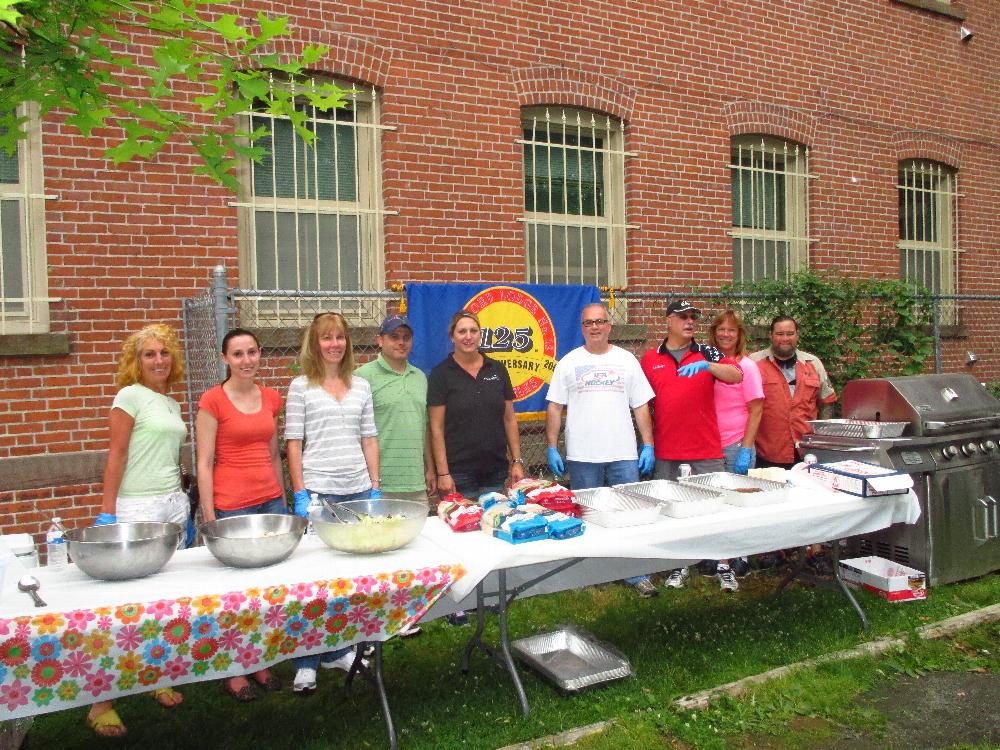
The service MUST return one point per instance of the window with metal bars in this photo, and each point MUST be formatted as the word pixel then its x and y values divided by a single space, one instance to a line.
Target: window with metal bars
pixel 574 197
pixel 928 225
pixel 311 214
pixel 770 201
pixel 23 279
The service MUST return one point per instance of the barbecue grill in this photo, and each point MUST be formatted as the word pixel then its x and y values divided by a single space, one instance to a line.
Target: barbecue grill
pixel 949 445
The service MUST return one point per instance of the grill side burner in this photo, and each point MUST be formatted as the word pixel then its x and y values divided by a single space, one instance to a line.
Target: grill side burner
pixel 951 447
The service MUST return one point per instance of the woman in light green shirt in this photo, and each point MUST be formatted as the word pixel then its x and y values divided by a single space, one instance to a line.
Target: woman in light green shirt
pixel 142 480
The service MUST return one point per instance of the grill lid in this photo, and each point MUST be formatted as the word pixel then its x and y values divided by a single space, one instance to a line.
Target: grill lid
pixel 931 404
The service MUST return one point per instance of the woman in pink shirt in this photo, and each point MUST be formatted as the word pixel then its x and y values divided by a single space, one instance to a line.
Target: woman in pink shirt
pixel 738 407
pixel 239 467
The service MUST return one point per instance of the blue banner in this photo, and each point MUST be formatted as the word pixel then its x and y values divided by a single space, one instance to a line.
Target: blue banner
pixel 528 327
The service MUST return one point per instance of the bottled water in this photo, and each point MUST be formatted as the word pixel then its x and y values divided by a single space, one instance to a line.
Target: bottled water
pixel 315 504
pixel 684 470
pixel 55 544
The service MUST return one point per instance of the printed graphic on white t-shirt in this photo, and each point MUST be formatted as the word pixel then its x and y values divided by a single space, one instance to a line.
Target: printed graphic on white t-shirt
pixel 600 379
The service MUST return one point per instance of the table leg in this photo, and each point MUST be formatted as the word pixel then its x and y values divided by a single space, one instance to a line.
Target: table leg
pixel 374 678
pixel 796 571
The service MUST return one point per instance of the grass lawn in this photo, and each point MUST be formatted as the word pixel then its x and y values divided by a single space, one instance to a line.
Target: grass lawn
pixel 679 643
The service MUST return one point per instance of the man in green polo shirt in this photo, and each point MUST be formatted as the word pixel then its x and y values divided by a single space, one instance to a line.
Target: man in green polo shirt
pixel 399 394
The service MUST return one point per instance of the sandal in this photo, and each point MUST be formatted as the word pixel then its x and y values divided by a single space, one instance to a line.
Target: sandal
pixel 244 695
pixel 107 724
pixel 167 697
pixel 271 683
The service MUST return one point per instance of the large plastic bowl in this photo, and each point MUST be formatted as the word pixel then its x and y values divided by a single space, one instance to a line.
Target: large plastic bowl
pixel 387 525
pixel 253 541
pixel 121 551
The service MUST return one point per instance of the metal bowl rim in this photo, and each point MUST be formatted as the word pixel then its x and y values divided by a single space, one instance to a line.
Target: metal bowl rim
pixel 71 533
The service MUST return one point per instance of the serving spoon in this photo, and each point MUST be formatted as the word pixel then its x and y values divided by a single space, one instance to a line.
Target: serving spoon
pixel 30 585
pixel 335 509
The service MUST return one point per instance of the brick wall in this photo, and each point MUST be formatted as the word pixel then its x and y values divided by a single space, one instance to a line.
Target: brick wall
pixel 863 84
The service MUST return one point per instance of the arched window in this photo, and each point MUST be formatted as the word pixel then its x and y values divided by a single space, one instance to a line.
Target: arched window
pixel 311 217
pixel 574 204
pixel 928 222
pixel 770 199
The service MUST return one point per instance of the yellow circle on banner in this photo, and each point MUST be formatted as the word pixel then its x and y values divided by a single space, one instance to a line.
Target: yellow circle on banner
pixel 517 331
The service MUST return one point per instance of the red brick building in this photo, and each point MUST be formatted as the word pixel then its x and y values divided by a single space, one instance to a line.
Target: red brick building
pixel 702 142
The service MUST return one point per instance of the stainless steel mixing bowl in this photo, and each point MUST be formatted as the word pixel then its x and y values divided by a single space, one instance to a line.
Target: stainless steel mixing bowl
pixel 123 550
pixel 253 541
pixel 387 524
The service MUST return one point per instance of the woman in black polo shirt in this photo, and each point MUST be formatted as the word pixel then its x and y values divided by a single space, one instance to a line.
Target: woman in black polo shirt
pixel 470 404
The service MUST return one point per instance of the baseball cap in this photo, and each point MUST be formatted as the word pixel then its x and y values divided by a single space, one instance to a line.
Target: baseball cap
pixel 393 322
pixel 682 306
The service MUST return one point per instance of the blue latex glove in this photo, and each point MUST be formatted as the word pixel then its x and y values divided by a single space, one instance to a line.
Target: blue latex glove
pixel 689 371
pixel 302 499
pixel 105 519
pixel 556 465
pixel 375 494
pixel 647 460
pixel 743 460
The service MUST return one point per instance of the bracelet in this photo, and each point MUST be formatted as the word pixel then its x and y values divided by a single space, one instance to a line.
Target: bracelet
pixel 376 481
pixel 446 474
pixel 517 461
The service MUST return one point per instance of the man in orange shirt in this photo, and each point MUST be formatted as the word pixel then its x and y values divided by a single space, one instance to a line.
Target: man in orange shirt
pixel 796 390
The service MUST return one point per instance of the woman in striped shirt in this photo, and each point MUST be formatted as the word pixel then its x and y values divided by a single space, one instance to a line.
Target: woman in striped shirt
pixel 331 440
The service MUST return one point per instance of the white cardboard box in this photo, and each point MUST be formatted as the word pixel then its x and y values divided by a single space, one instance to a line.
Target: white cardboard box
pixel 888 579
pixel 861 478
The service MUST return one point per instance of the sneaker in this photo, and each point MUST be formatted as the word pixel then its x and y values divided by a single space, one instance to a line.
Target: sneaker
pixel 645 588
pixel 410 631
pixel 740 567
pixel 677 578
pixel 343 662
pixel 305 681
pixel 457 619
pixel 727 581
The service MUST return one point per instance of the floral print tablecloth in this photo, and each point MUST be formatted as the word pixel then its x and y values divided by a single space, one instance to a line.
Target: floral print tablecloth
pixel 56 660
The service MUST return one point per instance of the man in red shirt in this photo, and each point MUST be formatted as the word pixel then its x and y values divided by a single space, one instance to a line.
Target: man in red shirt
pixel 796 390
pixel 685 429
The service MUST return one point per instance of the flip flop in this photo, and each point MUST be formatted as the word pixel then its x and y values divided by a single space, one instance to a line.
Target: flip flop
pixel 244 695
pixel 167 697
pixel 107 724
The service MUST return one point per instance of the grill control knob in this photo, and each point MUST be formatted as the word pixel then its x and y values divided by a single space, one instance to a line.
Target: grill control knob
pixel 969 449
pixel 949 451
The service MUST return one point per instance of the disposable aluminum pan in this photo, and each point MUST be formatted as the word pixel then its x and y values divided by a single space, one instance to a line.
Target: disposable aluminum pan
pixel 857 428
pixel 572 659
pixel 606 507
pixel 739 489
pixel 676 500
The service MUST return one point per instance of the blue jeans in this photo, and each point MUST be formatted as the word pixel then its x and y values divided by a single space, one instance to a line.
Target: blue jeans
pixel 268 506
pixel 730 452
pixel 312 660
pixel 472 484
pixel 584 474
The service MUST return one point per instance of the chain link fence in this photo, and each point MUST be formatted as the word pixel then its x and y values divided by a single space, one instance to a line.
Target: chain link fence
pixel 279 319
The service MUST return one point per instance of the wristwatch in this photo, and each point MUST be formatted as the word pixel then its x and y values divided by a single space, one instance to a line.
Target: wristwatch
pixel 517 461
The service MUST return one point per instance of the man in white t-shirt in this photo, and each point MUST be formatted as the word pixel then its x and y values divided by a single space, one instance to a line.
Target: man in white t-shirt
pixel 602 386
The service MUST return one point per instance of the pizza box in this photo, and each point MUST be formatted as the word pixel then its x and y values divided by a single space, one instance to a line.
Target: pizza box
pixel 861 478
pixel 888 579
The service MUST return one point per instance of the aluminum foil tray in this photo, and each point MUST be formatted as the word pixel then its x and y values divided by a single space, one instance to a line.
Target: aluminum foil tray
pixel 677 500
pixel 607 507
pixel 857 428
pixel 572 659
pixel 738 489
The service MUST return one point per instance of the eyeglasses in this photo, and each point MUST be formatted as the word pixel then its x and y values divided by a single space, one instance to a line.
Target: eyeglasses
pixel 686 316
pixel 595 322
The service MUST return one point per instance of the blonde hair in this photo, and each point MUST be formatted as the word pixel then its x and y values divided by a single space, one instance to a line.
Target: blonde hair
pixel 733 318
pixel 310 359
pixel 129 364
